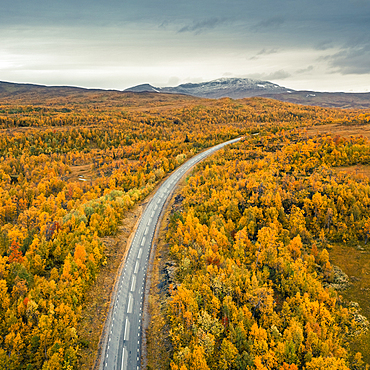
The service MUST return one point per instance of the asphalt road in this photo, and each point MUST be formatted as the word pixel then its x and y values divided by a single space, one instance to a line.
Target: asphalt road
pixel 123 342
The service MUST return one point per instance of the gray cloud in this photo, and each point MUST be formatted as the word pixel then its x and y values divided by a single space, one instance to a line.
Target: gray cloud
pixel 268 24
pixel 354 60
pixel 305 70
pixel 264 52
pixel 164 24
pixel 267 51
pixel 324 45
pixel 277 75
pixel 201 26
pixel 142 38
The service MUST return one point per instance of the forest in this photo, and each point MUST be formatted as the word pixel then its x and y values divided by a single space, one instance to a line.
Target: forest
pixel 251 246
pixel 253 286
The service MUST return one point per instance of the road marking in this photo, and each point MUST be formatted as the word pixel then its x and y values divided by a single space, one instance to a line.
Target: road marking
pixel 156 206
pixel 140 252
pixel 130 303
pixel 136 267
pixel 146 230
pixel 127 330
pixel 123 358
pixel 152 214
pixel 143 242
pixel 133 283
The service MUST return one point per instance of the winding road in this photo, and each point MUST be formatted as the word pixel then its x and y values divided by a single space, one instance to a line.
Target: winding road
pixel 122 350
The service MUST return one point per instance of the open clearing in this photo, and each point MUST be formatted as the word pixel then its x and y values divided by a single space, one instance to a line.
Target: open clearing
pixel 341 130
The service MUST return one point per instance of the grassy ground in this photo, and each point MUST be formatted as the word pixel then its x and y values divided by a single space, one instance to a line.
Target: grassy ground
pixel 355 262
pixel 341 130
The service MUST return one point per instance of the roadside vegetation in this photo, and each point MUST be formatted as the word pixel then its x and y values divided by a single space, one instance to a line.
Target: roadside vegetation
pixel 252 285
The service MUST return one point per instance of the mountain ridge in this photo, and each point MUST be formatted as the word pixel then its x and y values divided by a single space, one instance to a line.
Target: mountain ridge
pixel 235 88
pixel 240 88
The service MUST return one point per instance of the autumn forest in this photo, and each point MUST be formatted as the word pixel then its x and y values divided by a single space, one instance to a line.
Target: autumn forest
pixel 249 239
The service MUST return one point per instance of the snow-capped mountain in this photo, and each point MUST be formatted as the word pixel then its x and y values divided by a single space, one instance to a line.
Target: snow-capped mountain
pixel 235 88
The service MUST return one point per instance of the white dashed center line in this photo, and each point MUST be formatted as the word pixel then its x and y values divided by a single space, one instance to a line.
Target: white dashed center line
pixel 133 283
pixel 127 329
pixel 130 303
pixel 123 357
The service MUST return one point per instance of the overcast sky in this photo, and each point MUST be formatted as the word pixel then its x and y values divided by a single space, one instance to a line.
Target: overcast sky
pixel 317 44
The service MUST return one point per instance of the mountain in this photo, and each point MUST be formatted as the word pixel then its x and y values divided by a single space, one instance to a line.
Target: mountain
pixel 235 88
pixel 239 88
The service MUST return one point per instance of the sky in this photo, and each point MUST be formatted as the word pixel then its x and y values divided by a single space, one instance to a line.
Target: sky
pixel 321 45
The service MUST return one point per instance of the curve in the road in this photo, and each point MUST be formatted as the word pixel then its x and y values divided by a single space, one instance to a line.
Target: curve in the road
pixel 123 335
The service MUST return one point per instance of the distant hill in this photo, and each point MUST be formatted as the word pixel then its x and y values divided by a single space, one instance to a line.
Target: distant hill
pixel 143 88
pixel 238 88
pixel 10 88
pixel 24 94
pixel 235 88
pixel 325 99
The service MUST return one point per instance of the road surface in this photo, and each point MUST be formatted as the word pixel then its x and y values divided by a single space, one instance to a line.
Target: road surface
pixel 123 336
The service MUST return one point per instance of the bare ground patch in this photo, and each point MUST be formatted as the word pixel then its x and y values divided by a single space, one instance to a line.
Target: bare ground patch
pixel 87 172
pixel 356 170
pixel 341 130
